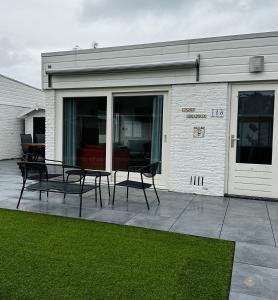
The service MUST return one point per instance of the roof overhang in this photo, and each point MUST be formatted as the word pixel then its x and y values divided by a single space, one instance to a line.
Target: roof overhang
pixel 185 64
pixel 28 111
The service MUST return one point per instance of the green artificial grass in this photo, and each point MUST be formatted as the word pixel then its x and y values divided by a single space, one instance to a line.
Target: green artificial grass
pixel 48 257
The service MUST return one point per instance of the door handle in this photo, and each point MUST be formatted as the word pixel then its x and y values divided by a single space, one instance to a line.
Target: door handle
pixel 233 139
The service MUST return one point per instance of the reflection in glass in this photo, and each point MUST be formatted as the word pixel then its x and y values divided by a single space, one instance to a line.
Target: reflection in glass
pixel 255 127
pixel 137 136
pixel 85 132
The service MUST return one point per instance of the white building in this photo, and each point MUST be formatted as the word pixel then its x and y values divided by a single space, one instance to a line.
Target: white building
pixel 206 108
pixel 15 99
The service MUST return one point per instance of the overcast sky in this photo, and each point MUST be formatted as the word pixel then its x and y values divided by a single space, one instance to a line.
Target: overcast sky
pixel 29 27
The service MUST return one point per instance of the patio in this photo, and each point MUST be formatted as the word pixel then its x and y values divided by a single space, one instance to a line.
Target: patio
pixel 252 224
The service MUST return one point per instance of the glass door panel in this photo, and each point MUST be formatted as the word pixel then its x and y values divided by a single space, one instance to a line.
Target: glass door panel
pixel 255 127
pixel 84 136
pixel 137 130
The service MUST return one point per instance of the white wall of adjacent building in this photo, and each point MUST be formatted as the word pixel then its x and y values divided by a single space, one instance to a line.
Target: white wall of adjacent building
pixel 15 98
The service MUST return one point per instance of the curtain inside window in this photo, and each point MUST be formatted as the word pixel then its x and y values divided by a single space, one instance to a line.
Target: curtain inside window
pixel 157 129
pixel 70 128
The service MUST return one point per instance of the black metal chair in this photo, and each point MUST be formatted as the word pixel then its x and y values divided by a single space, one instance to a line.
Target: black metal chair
pixel 44 181
pixel 148 171
pixel 26 139
pixel 40 138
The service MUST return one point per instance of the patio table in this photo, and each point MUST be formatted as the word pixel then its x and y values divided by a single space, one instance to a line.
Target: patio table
pixel 96 174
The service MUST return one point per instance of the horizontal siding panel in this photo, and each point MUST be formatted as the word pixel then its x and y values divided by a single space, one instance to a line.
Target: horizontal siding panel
pixel 130 75
pixel 236 69
pixel 117 54
pixel 118 82
pixel 239 77
pixel 230 61
pixel 221 61
pixel 93 81
pixel 121 61
pixel 186 48
pixel 127 60
pixel 205 62
pixel 234 44
pixel 13 92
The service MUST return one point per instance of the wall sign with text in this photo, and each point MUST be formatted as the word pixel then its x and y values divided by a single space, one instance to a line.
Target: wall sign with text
pixel 217 113
pixel 188 109
pixel 196 116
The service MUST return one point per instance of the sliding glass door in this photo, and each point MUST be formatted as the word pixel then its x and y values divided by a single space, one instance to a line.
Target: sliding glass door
pixel 115 131
pixel 84 136
pixel 137 130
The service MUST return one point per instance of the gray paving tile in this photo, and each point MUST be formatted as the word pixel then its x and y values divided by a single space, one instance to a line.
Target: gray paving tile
pixel 111 216
pixel 255 281
pixel 246 208
pixel 206 215
pixel 207 202
pixel 258 255
pixel 273 212
pixel 247 229
pixel 275 231
pixel 202 222
pixel 193 226
pixel 130 206
pixel 164 211
pixel 153 222
pixel 238 296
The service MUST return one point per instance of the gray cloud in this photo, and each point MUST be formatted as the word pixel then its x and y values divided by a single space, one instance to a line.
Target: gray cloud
pixel 29 27
pixel 97 9
pixel 11 54
pixel 92 10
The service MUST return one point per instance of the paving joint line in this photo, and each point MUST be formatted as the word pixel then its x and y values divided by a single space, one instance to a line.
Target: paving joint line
pixel 177 218
pixel 248 264
pixel 224 218
pixel 271 225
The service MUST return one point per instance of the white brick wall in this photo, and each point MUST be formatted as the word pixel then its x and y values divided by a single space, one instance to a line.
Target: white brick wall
pixel 198 156
pixel 50 127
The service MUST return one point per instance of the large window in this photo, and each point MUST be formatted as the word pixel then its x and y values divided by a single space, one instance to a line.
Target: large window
pixel 137 130
pixel 84 142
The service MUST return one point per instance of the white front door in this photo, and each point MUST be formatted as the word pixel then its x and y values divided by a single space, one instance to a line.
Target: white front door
pixel 253 157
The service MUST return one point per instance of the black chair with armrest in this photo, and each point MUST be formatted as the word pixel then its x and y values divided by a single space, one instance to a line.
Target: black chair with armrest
pixel 148 171
pixel 40 138
pixel 26 139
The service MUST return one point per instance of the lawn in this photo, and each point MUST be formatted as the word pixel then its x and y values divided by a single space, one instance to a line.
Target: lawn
pixel 48 257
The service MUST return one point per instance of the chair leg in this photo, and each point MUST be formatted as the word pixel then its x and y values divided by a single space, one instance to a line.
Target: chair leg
pixel 21 193
pixel 108 188
pixel 100 199
pixel 127 194
pixel 80 207
pixel 156 193
pixel 96 189
pixel 114 190
pixel 67 182
pixel 146 198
